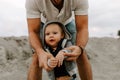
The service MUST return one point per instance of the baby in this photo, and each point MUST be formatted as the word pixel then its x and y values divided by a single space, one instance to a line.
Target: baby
pixel 56 41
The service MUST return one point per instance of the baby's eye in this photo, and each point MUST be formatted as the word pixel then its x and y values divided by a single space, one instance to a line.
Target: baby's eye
pixel 47 34
pixel 54 32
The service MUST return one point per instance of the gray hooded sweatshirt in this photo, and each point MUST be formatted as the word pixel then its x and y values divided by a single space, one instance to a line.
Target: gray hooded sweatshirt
pixel 66 42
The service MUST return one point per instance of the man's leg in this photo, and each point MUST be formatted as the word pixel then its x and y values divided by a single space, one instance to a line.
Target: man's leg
pixel 35 72
pixel 84 67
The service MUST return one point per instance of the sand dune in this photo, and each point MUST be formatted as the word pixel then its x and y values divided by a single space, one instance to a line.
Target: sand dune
pixel 103 53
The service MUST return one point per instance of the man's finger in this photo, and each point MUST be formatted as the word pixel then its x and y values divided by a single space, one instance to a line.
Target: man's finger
pixel 45 64
pixel 71 59
pixel 46 67
pixel 70 54
pixel 40 64
pixel 71 47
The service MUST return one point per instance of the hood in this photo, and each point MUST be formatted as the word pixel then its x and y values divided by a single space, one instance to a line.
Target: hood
pixel 67 34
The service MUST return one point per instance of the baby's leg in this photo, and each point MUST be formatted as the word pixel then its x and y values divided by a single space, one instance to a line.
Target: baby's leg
pixel 63 78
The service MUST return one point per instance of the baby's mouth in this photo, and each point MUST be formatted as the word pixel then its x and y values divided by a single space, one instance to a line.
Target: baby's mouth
pixel 52 40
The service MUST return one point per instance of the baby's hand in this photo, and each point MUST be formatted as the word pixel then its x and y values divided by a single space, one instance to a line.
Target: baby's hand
pixel 52 62
pixel 60 57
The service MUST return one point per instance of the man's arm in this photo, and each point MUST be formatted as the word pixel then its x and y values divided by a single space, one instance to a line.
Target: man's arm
pixel 81 36
pixel 34 37
pixel 34 33
pixel 82 30
pixel 84 67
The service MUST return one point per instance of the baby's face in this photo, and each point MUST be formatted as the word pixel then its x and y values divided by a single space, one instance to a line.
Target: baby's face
pixel 53 35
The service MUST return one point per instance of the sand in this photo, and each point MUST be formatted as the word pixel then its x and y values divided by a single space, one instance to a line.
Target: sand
pixel 103 53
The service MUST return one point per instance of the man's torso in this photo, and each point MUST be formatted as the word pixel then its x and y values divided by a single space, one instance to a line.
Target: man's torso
pixel 45 10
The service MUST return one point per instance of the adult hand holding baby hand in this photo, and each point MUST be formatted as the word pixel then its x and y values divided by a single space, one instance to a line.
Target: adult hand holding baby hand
pixel 76 51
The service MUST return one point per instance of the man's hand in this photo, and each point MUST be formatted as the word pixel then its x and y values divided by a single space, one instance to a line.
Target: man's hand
pixel 43 59
pixel 75 53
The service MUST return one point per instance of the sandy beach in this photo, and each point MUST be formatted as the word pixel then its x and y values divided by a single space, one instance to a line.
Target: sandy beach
pixel 103 53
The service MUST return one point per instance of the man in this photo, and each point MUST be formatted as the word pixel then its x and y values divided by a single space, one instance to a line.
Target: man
pixel 41 11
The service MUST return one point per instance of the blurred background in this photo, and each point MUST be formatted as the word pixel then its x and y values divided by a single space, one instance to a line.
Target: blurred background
pixel 104 18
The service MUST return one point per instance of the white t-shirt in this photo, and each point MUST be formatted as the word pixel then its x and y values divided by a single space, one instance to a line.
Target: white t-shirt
pixel 45 10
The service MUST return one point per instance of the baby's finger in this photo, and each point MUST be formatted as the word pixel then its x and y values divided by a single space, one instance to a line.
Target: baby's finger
pixel 60 62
